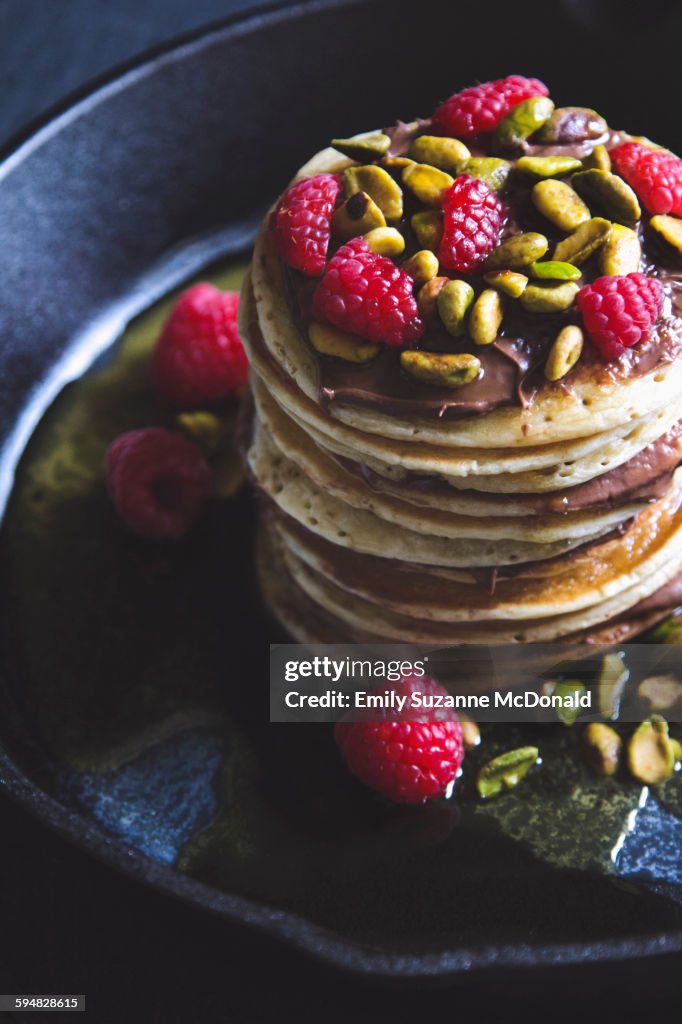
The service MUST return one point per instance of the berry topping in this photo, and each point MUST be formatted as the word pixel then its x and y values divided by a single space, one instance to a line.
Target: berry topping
pixel 301 224
pixel 619 312
pixel 409 756
pixel 366 294
pixel 199 358
pixel 654 174
pixel 472 221
pixel 158 481
pixel 482 107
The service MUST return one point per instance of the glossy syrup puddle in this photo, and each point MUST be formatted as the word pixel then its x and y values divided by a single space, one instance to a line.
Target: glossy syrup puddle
pixel 143 672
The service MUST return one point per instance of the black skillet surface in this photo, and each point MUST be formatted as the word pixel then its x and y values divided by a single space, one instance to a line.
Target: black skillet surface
pixel 190 145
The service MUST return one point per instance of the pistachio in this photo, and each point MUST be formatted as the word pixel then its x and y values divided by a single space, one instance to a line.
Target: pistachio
pixel 428 297
pixel 669 631
pixel 564 353
pixel 547 166
pixel 517 252
pixel 572 124
pixel 621 253
pixel 440 369
pixel 357 216
pixel 506 771
pixel 669 228
pixel 599 158
pixel 486 317
pixel 660 692
pixel 385 241
pixel 471 734
pixel 207 430
pixel 524 120
pixel 608 194
pixel 602 746
pixel 507 281
pixel 570 691
pixel 560 204
pixel 228 474
pixel 421 267
pixel 363 147
pixel 542 298
pixel 428 228
pixel 677 751
pixel 396 163
pixel 610 685
pixel 378 184
pixel 447 154
pixel 330 341
pixel 585 240
pixel 427 183
pixel 552 270
pixel 651 754
pixel 454 300
pixel 490 169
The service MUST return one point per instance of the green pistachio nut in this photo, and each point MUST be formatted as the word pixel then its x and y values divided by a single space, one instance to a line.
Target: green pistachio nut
pixel 564 353
pixel 427 183
pixel 621 253
pixel 517 252
pixel 560 204
pixel 356 216
pixel 552 270
pixel 396 163
pixel 571 124
pixel 607 194
pixel 208 431
pixel 651 754
pixel 509 282
pixel 421 267
pixel 330 341
pixel 610 684
pixel 471 734
pixel 570 691
pixel 602 747
pixel 661 692
pixel 454 301
pixel 505 771
pixel 547 166
pixel 379 185
pixel 447 154
pixel 585 240
pixel 363 148
pixel 428 228
pixel 486 317
pixel 385 241
pixel 598 159
pixel 493 171
pixel 523 121
pixel 546 298
pixel 669 228
pixel 440 369
pixel 427 298
pixel 669 631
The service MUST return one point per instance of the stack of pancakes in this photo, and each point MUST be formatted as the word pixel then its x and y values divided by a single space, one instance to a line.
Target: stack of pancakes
pixel 393 512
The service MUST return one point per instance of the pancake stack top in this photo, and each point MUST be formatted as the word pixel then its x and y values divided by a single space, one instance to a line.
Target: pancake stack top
pixel 464 336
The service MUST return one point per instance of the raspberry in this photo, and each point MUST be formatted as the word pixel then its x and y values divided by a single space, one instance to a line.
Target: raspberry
pixel 301 228
pixel 654 174
pixel 472 221
pixel 198 358
pixel 482 107
pixel 366 294
pixel 410 757
pixel 618 312
pixel 158 481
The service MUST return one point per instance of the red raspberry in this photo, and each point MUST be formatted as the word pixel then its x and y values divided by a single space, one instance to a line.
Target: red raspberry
pixel 410 757
pixel 158 480
pixel 619 312
pixel 198 358
pixel 654 174
pixel 482 107
pixel 301 225
pixel 366 294
pixel 472 221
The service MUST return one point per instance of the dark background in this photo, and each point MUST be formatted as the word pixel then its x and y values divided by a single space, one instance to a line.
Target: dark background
pixel 69 924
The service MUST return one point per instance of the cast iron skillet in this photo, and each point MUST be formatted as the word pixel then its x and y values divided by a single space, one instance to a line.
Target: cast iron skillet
pixel 193 142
